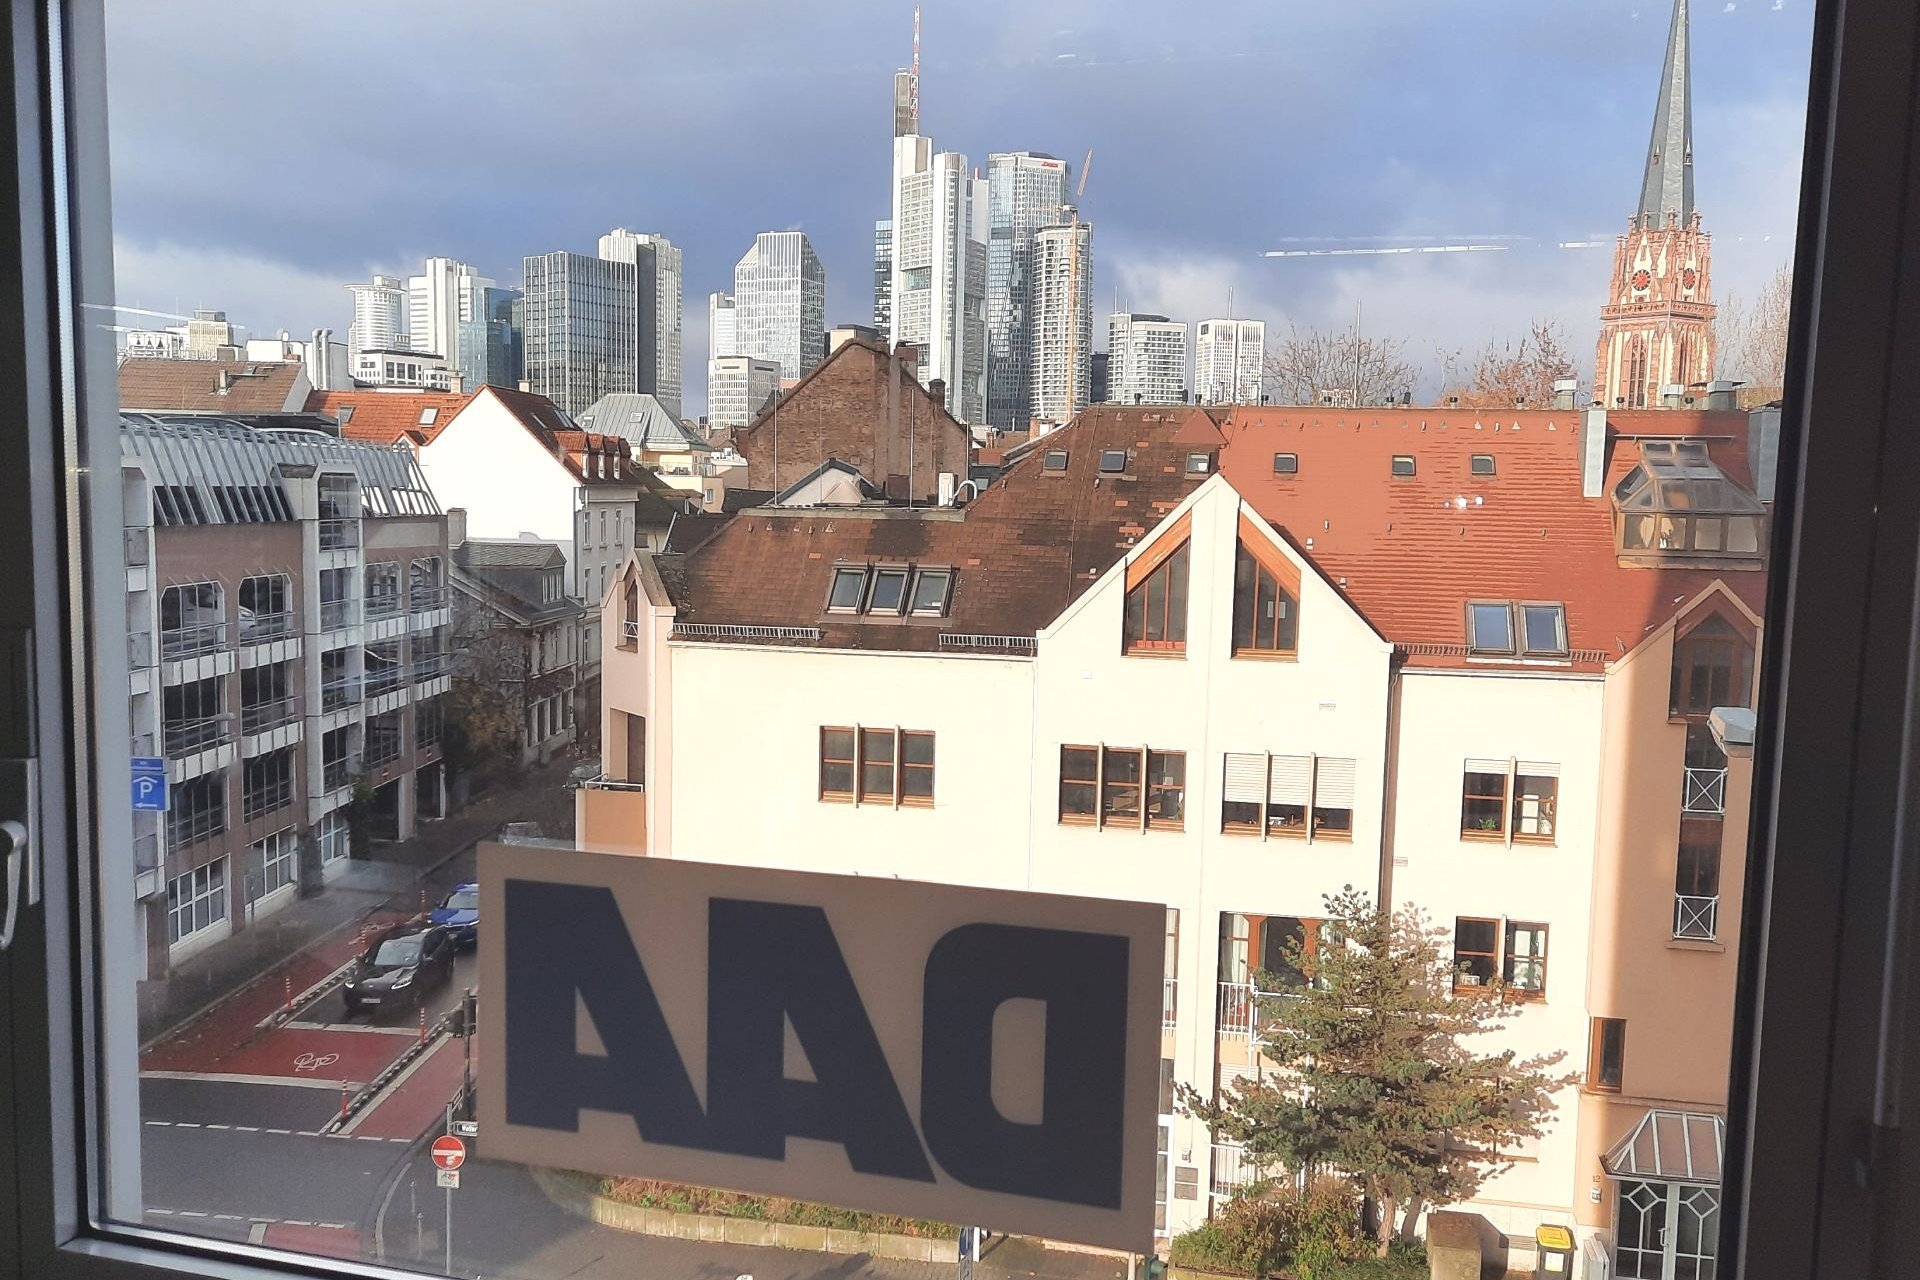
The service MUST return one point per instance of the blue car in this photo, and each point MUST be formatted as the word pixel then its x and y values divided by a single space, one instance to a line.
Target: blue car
pixel 459 915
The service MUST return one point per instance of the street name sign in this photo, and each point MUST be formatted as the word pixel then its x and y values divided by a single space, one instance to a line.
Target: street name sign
pixel 937 1051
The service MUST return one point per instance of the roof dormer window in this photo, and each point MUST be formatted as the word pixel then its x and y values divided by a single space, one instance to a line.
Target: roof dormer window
pixel 1678 504
pixel 1402 465
pixel 428 415
pixel 1113 461
pixel 1055 460
pixel 1480 464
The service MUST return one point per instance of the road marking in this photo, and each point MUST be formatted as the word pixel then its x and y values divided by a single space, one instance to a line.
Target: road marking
pixel 219 1077
pixel 259 1224
pixel 195 1213
pixel 390 1089
pixel 165 1211
pixel 245 1128
pixel 161 1124
pixel 186 1124
pixel 219 1126
pixel 284 1132
pixel 362 1028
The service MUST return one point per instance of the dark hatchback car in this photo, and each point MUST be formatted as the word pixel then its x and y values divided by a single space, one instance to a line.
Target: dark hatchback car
pixel 459 914
pixel 397 971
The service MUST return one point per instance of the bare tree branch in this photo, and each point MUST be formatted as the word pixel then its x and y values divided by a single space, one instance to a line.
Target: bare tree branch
pixel 1510 375
pixel 1348 367
pixel 1752 339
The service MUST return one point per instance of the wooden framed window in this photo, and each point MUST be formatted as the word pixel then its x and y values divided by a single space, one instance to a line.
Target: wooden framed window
pixel 1156 607
pixel 1333 779
pixel 1536 791
pixel 876 765
pixel 916 767
pixel 1120 779
pixel 1289 795
pixel 1266 600
pixel 1524 969
pixel 1483 800
pixel 888 592
pixel 1476 952
pixel 848 589
pixel 1606 1053
pixel 836 764
pixel 1079 784
pixel 1167 789
pixel 1243 797
pixel 1712 667
pixel 1273 795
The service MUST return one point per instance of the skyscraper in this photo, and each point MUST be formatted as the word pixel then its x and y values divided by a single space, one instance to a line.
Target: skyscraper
pixel 581 318
pixel 439 300
pixel 780 302
pixel 722 333
pixel 738 387
pixel 1229 358
pixel 1060 339
pixel 379 314
pixel 1026 191
pixel 505 353
pixel 1146 359
pixel 657 273
pixel 883 275
pixel 1656 329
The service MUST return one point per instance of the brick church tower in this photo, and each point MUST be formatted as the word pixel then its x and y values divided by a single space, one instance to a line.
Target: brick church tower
pixel 1656 329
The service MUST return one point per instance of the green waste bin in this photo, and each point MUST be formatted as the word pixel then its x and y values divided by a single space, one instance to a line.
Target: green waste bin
pixel 1554 1251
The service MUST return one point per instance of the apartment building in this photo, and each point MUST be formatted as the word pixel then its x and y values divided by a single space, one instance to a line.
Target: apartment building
pixel 1147 359
pixel 287 620
pixel 520 634
pixel 1472 664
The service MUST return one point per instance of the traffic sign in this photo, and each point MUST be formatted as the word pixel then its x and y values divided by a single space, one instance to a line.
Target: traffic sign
pixel 467 1128
pixel 150 792
pixel 449 1152
pixel 448 1178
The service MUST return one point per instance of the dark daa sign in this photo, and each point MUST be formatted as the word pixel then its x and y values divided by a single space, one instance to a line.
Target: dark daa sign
pixel 965 1055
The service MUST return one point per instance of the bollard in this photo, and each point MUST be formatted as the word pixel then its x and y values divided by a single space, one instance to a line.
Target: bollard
pixel 423 1024
pixel 288 979
pixel 343 1100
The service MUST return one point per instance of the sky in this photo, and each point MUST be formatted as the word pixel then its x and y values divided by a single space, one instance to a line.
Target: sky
pixel 261 171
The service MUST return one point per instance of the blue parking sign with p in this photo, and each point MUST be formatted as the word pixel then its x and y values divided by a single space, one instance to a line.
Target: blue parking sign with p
pixel 149 784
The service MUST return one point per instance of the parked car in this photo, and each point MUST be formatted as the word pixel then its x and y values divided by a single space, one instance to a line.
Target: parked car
pixel 397 971
pixel 459 914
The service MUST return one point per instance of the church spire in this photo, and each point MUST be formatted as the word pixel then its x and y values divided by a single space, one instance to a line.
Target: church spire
pixel 1668 185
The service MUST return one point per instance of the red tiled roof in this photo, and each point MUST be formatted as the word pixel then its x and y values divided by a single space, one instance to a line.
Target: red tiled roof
pixel 1410 552
pixel 385 416
pixel 195 386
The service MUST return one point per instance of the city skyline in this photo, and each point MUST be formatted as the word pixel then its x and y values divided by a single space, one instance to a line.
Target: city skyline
pixel 1162 250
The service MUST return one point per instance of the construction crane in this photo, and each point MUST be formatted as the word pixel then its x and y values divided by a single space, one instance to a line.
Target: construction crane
pixel 1073 281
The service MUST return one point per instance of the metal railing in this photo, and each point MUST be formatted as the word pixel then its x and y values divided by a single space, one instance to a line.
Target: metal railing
pixel 1236 1004
pixel 336 535
pixel 422 601
pixel 1027 645
pixel 258 717
pixel 139 649
pixel 137 547
pixel 335 614
pixel 386 605
pixel 603 783
pixel 187 640
pixel 335 774
pixel 261 627
pixel 183 737
pixel 1706 791
pixel 740 631
pixel 382 679
pixel 630 634
pixel 343 692
pixel 1169 1003
pixel 431 666
pixel 1695 916
pixel 1233 1169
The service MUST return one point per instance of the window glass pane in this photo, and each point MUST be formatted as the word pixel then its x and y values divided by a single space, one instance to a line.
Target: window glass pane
pixel 1490 627
pixel 847 585
pixel 889 590
pixel 930 591
pixel 1483 798
pixel 1545 628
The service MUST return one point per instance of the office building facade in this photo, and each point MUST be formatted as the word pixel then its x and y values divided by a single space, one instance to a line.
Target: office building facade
pixel 379 315
pixel 581 317
pixel 1229 359
pixel 780 302
pixel 658 278
pixel 738 388
pixel 1026 191
pixel 1146 359
pixel 1059 324
pixel 939 277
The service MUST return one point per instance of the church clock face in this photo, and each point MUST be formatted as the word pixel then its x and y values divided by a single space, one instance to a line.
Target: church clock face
pixel 1642 278
pixel 1689 278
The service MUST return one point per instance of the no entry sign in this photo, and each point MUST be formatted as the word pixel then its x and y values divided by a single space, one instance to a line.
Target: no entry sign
pixel 449 1152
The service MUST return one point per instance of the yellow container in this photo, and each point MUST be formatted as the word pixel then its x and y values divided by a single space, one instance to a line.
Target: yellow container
pixel 1555 1251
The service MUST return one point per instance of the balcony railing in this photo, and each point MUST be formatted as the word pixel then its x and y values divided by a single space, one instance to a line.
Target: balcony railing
pixel 336 535
pixel 1236 1006
pixel 139 649
pixel 1706 791
pixel 385 605
pixel 630 634
pixel 422 601
pixel 1696 917
pixel 343 692
pixel 258 717
pixel 382 679
pixel 603 783
pixel 183 737
pixel 335 614
pixel 258 628
pixel 1233 1169
pixel 137 542
pixel 1169 1003
pixel 431 666
pixel 192 638
pixel 338 773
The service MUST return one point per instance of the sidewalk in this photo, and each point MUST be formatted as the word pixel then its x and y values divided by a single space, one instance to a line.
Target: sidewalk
pixel 389 879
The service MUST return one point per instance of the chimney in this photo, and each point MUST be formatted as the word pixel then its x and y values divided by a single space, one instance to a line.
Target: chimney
pixel 907 354
pixel 1673 396
pixel 1722 394
pixel 456 526
pixel 1763 449
pixel 937 388
pixel 1593 453
pixel 222 381
pixel 1564 390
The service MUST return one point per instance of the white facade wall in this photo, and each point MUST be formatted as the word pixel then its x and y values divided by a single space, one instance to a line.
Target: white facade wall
pixel 379 314
pixel 780 302
pixel 1229 361
pixel 1146 359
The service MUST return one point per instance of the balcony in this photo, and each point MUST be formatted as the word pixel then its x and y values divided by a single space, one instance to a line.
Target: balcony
pixel 1233 1169
pixel 335 774
pixel 423 601
pixel 193 638
pixel 431 666
pixel 137 544
pixel 337 614
pixel 385 679
pixel 338 693
pixel 258 628
pixel 139 649
pixel 1169 1003
pixel 1236 1006
pixel 339 535
pixel 611 816
pixel 1705 793
pixel 1696 917
pixel 184 737
pixel 258 717
pixel 386 605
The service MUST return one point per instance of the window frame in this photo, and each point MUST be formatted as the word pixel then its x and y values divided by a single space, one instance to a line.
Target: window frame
pixel 1597 1055
pixel 1491 957
pixel 1286 588
pixel 1174 565
pixel 1108 455
pixel 1521 609
pixel 890 573
pixel 1292 467
pixel 1474 647
pixel 1404 466
pixel 1475 469
pixel 1046 462
pixel 822 792
pixel 927 574
pixel 861 573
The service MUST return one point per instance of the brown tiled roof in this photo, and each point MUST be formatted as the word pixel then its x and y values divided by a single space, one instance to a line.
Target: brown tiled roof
pixel 1021 552
pixel 385 416
pixel 151 385
pixel 1410 552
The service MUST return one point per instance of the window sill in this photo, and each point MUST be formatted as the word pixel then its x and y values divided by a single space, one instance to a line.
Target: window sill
pixel 1696 944
pixel 836 798
pixel 1266 655
pixel 1333 837
pixel 1538 842
pixel 1078 820
pixel 1137 652
pixel 916 804
pixel 1484 837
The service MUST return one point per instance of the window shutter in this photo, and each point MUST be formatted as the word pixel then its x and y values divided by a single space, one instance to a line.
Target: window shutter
pixel 1335 789
pixel 1292 777
pixel 1246 777
pixel 1487 766
pixel 1537 768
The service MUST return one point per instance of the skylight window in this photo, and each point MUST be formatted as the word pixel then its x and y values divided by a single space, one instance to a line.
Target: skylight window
pixel 346 414
pixel 1543 629
pixel 889 593
pixel 428 415
pixel 848 589
pixel 1402 464
pixel 1056 460
pixel 1198 464
pixel 1490 627
pixel 1113 460
pixel 1286 464
pixel 1481 464
pixel 930 590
